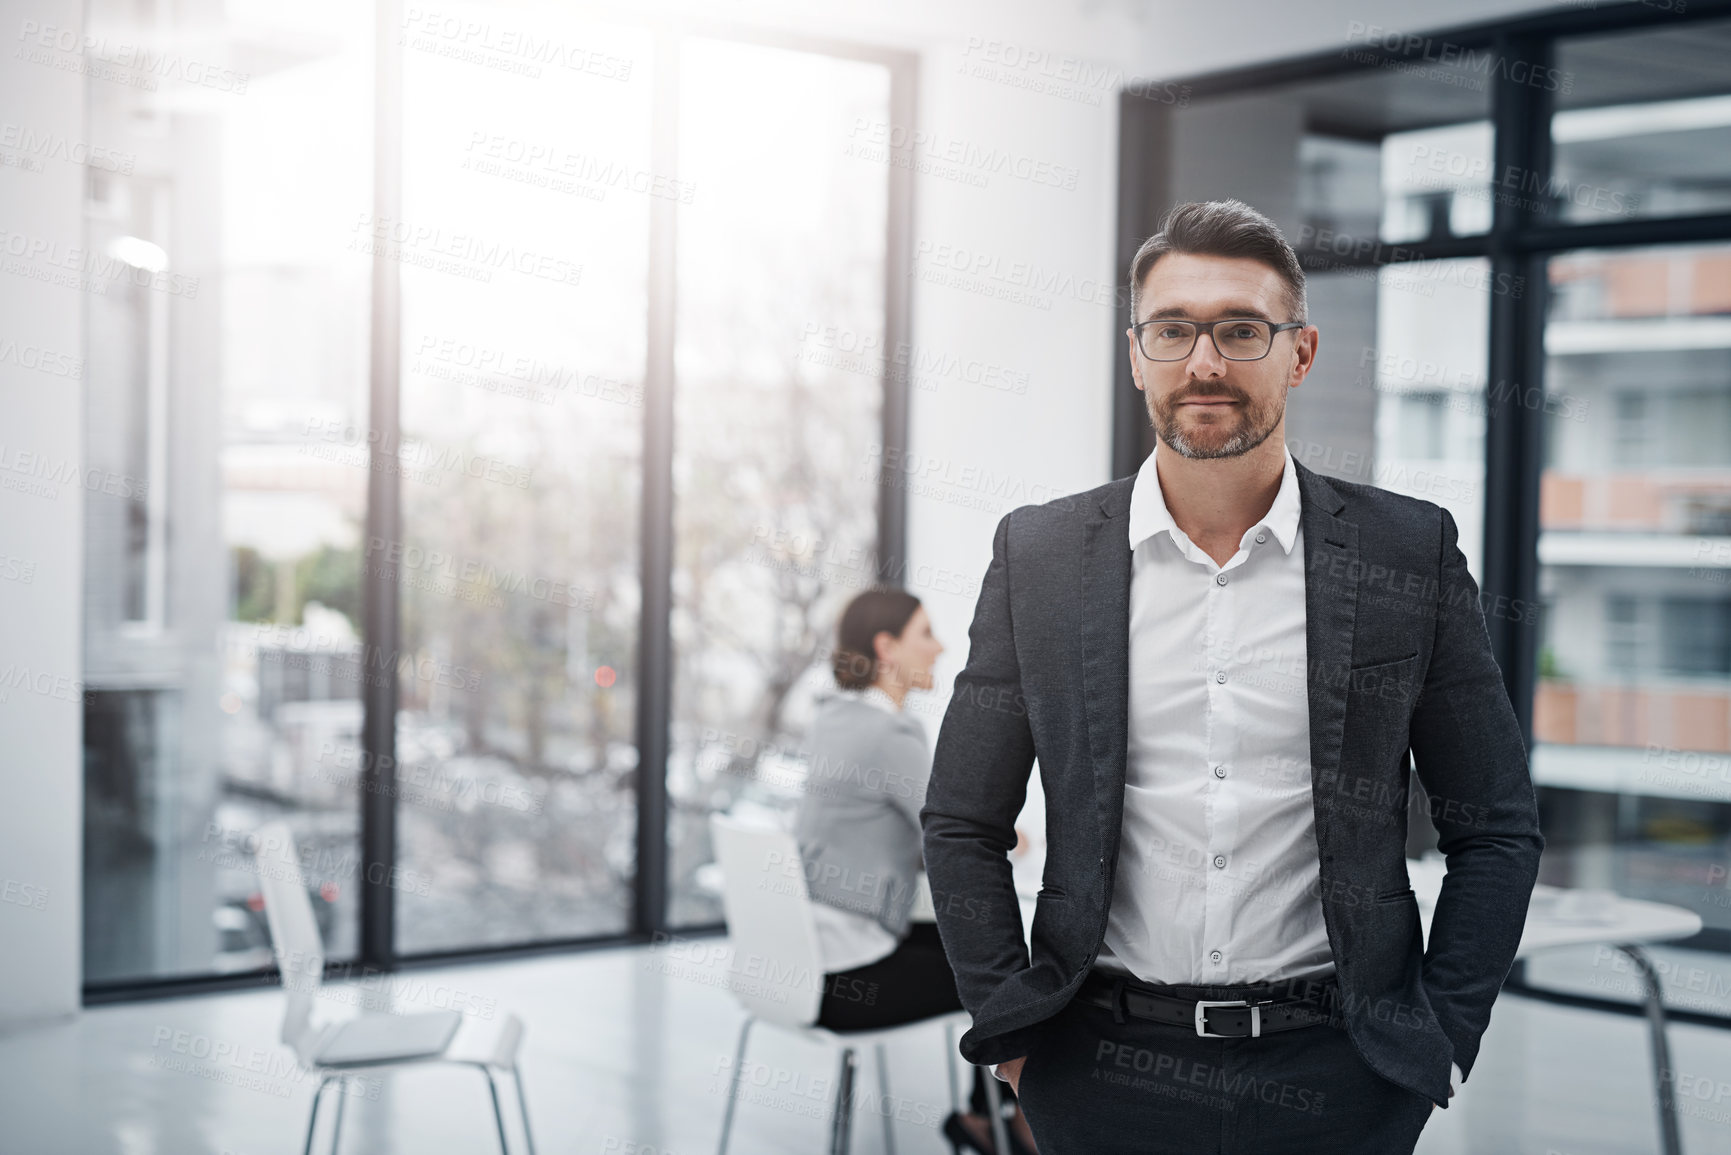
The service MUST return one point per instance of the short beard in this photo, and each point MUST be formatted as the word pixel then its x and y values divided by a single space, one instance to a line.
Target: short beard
pixel 1247 438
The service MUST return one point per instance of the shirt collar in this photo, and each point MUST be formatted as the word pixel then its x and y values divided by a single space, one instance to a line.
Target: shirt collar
pixel 1149 515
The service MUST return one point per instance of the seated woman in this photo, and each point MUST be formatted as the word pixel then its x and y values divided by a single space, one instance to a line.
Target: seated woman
pixel 858 829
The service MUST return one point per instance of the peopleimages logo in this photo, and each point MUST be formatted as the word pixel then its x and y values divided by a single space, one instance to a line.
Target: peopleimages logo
pixel 1059 74
pixel 507 49
pixel 73 267
pixel 137 65
pixel 494 154
pixel 412 453
pixel 53 146
pixel 1413 48
pixel 463 254
pixel 968 156
pixel 932 475
pixel 1514 184
pixel 41 360
pixel 935 259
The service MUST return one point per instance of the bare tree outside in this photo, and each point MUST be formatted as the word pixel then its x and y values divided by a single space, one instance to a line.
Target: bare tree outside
pixel 775 518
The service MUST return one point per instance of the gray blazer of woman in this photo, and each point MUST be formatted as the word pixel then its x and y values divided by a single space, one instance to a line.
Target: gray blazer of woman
pixel 858 824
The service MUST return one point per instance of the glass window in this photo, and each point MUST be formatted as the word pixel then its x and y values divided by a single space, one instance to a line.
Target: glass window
pixel 1398 395
pixel 780 362
pixel 1632 718
pixel 229 364
pixel 524 247
pixel 1643 126
pixel 128 219
pixel 1437 182
pixel 1428 369
pixel 1350 166
pixel 1694 636
pixel 1622 633
pixel 227 384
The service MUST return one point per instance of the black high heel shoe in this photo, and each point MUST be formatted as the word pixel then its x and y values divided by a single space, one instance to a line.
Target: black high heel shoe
pixel 961 1139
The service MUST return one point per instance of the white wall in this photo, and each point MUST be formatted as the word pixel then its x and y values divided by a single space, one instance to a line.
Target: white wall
pixel 41 533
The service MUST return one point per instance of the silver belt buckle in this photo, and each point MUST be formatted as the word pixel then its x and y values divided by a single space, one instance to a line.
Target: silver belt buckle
pixel 1202 1027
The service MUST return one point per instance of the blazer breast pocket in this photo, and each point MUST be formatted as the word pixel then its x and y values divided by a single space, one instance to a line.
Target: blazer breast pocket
pixel 1393 680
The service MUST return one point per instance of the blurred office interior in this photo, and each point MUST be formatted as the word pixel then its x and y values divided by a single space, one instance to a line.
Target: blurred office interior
pixel 452 432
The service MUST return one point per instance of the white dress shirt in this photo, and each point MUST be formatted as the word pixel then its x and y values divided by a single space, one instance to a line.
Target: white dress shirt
pixel 1217 878
pixel 846 939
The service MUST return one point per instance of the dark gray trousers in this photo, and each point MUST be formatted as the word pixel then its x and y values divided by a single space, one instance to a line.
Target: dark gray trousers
pixel 1094 1086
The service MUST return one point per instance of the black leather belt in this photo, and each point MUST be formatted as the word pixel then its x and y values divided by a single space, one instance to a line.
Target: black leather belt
pixel 1215 1018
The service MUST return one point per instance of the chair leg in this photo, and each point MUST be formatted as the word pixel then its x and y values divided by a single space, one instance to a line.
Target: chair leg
pixel 950 1061
pixel 884 1111
pixel 313 1121
pixel 523 1107
pixel 841 1121
pixel 342 1102
pixel 1670 1140
pixel 995 1104
pixel 498 1115
pixel 733 1085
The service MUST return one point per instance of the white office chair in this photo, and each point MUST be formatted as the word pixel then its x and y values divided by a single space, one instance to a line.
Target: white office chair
pixel 769 916
pixel 340 1050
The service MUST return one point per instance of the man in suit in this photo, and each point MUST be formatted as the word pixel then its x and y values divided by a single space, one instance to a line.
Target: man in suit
pixel 1222 664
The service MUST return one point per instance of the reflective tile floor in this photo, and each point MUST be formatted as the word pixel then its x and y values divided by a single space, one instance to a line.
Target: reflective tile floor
pixel 626 1052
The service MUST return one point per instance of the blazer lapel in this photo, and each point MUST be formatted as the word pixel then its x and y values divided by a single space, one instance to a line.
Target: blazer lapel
pixel 1105 611
pixel 1330 613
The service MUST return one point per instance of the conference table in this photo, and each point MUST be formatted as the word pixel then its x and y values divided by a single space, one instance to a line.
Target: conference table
pixel 1565 916
pixel 1556 917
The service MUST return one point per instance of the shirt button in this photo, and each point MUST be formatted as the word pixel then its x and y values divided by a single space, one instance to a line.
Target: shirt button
pixel 1220 677
pixel 1261 537
pixel 1219 860
pixel 1215 956
pixel 1220 771
pixel 1219 579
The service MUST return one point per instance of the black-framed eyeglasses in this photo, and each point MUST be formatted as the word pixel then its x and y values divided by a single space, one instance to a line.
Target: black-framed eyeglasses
pixel 1241 339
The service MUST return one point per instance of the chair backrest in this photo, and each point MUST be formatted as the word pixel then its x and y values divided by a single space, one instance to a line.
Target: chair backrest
pixel 294 930
pixel 775 969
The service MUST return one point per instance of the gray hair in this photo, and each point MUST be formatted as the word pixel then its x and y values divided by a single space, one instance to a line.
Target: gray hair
pixel 1228 228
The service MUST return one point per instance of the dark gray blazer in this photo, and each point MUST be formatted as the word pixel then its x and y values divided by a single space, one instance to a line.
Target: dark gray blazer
pixel 1399 660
